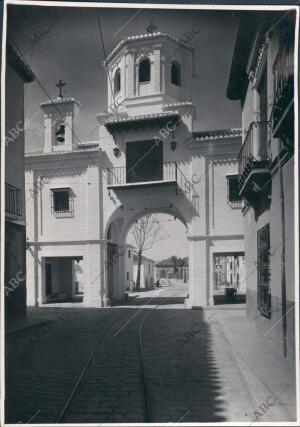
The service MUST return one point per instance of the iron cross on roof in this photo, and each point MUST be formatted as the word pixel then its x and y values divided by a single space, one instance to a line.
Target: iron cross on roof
pixel 60 85
pixel 151 27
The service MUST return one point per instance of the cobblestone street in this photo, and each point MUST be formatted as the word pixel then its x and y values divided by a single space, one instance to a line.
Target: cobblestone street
pixel 84 365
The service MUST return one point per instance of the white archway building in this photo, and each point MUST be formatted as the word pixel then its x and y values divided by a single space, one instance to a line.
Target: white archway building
pixel 148 159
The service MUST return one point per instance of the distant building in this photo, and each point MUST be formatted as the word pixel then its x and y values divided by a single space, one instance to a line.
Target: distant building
pixel 262 78
pixel 129 267
pixel 146 274
pixel 17 74
pixel 230 272
pixel 168 269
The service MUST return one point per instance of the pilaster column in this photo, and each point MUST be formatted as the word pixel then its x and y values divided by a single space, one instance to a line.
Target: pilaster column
pixel 156 70
pixel 197 265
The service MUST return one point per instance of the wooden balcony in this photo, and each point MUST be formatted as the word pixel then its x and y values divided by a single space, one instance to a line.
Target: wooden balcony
pixel 254 161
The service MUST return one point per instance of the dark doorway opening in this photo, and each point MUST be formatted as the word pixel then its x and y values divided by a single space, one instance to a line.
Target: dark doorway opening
pixel 48 279
pixel 144 161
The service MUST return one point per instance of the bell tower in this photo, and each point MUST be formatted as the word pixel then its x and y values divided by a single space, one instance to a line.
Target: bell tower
pixel 147 71
pixel 60 117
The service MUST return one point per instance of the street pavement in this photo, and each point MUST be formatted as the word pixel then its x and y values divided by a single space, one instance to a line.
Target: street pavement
pixel 208 365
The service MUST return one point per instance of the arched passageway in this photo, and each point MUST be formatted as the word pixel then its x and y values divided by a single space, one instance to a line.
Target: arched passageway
pixel 122 249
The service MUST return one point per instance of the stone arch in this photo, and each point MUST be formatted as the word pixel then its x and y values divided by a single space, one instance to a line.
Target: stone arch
pixel 117 228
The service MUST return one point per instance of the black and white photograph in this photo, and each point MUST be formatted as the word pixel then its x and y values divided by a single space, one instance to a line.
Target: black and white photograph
pixel 149 214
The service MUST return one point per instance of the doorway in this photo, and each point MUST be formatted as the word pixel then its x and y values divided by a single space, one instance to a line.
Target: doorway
pixel 144 161
pixel 229 271
pixel 48 267
pixel 63 279
pixel 111 257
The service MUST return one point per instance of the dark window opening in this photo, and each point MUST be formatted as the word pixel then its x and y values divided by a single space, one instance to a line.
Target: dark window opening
pixel 144 161
pixel 117 81
pixel 175 74
pixel 144 71
pixel 127 275
pixel 233 197
pixel 128 253
pixel 60 130
pixel 263 271
pixel 62 204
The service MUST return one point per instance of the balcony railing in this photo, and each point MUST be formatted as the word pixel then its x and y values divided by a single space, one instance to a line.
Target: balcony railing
pixel 136 175
pixel 254 153
pixel 166 173
pixel 283 101
pixel 13 200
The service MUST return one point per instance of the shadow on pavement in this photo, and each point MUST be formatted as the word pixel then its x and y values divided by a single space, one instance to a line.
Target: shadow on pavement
pixel 43 363
pixel 222 299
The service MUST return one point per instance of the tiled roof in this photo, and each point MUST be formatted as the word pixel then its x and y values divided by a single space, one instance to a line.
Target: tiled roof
pixel 142 117
pixel 147 36
pixel 179 104
pixel 217 134
pixel 59 101
pixel 19 64
pixel 61 152
pixel 88 144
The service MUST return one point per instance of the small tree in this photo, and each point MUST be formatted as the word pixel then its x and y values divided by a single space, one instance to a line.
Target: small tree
pixel 144 233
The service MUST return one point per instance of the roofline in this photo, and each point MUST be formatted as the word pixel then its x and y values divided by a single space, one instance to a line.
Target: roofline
pixel 217 134
pixel 238 78
pixel 146 36
pixel 36 154
pixel 248 25
pixel 18 64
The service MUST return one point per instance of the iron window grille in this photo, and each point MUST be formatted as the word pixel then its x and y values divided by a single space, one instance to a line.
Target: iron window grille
pixel 233 197
pixel 263 271
pixel 13 199
pixel 62 203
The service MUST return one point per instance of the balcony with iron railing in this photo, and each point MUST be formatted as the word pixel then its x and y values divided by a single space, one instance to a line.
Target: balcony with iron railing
pixel 283 111
pixel 254 160
pixel 167 173
pixel 13 200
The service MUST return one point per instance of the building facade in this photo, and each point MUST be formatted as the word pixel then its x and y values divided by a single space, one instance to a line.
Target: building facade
pixel 146 274
pixel 148 159
pixel 262 77
pixel 129 267
pixel 17 74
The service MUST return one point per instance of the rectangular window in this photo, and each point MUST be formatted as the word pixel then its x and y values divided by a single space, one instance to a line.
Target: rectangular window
pixel 62 204
pixel 127 275
pixel 263 271
pixel 129 253
pixel 233 196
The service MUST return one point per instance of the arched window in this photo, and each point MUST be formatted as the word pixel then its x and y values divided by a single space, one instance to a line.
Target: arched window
pixel 117 81
pixel 59 130
pixel 175 74
pixel 144 71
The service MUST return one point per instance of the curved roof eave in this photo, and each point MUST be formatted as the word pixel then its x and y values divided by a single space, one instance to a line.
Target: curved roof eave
pixel 238 78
